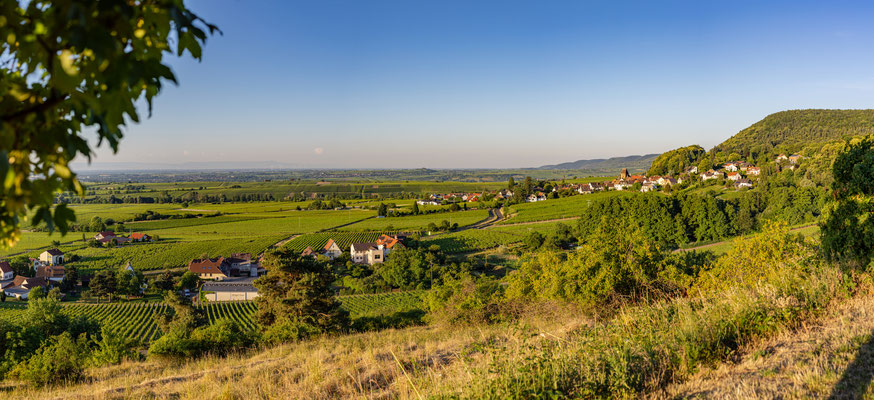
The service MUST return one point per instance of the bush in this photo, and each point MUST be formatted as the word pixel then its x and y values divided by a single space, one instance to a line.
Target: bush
pixel 466 300
pixel 222 337
pixel 288 331
pixel 62 360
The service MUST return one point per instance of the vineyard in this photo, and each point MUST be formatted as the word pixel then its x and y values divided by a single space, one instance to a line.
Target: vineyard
pixel 473 240
pixel 360 305
pixel 343 239
pixel 137 320
pixel 566 207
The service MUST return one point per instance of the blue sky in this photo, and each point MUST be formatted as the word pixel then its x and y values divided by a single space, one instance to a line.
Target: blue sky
pixel 443 84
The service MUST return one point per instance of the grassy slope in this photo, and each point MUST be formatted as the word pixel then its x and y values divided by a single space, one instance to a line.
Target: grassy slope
pixel 831 356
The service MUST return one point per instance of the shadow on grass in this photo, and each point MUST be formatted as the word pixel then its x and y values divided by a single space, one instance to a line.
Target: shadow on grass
pixel 858 375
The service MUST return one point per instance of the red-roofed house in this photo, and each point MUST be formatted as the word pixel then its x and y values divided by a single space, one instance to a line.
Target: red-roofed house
pixel 733 176
pixel 54 273
pixel 332 250
pixel 140 237
pixel 210 268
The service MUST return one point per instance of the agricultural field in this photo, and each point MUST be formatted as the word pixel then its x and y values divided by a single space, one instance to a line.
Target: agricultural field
pixel 162 255
pixel 137 320
pixel 343 239
pixel 366 305
pixel 418 222
pixel 566 207
pixel 473 240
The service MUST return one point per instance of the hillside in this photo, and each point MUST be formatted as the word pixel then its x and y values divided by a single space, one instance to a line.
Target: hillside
pixel 793 130
pixel 675 161
pixel 633 163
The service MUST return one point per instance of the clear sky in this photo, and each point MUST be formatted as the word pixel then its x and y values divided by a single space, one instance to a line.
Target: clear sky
pixel 444 84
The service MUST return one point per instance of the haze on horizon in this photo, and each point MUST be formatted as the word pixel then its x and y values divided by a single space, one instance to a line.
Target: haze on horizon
pixel 495 84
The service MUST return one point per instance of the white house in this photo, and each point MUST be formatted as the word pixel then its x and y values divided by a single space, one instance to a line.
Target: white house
pixel 367 253
pixel 754 171
pixel 734 176
pixel 6 271
pixel 52 257
pixel 332 250
pixel 743 183
pixel 711 174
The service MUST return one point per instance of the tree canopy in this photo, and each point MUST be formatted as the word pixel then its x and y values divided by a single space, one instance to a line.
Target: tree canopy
pixel 74 65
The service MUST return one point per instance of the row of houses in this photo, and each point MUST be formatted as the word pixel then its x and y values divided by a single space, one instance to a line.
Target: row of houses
pixel 48 271
pixel 362 253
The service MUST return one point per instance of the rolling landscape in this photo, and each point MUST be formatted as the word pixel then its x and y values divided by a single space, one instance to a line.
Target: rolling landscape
pixel 385 215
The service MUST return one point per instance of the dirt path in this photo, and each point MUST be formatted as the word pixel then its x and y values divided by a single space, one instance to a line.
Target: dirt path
pixel 832 357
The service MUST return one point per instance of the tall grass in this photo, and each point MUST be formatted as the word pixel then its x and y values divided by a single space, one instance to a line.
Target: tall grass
pixel 643 348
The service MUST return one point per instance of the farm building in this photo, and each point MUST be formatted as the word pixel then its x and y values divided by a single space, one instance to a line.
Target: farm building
pixel 332 250
pixel 229 290
pixel 52 257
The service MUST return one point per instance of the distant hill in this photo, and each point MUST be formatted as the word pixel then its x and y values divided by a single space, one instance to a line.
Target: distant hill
pixel 633 163
pixel 791 131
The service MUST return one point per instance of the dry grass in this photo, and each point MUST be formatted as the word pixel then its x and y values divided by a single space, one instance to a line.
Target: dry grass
pixel 830 357
pixel 404 364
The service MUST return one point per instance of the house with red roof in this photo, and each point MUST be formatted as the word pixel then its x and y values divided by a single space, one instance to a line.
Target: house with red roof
pixel 210 268
pixel 332 250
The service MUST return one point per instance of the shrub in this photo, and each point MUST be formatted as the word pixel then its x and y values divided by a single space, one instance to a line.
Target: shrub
pixel 61 360
pixel 466 299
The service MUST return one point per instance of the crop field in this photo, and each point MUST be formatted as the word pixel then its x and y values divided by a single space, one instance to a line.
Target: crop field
pixel 418 222
pixel 473 240
pixel 286 223
pixel 343 239
pixel 137 320
pixel 161 255
pixel 361 305
pixel 566 207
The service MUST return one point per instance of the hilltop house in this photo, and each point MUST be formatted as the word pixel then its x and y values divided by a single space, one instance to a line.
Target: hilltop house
pixel 666 181
pixel 711 174
pixel 730 166
pixel 743 183
pixel 648 187
pixel 794 158
pixel 691 170
pixel 733 176
pixel 781 157
pixel 6 271
pixel 753 171
pixel 367 253
pixel 210 268
pixel 332 250
pixel 52 257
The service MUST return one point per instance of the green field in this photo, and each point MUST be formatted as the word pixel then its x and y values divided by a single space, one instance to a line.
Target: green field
pixel 418 222
pixel 137 320
pixel 473 240
pixel 565 207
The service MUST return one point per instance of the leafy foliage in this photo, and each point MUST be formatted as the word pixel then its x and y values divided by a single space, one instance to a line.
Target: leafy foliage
pixel 675 161
pixel 71 65
pixel 791 131
pixel 848 230
pixel 295 294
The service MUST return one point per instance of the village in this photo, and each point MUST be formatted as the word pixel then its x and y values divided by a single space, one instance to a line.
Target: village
pixel 736 174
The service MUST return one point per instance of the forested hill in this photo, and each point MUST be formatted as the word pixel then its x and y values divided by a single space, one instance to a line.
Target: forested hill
pixel 633 163
pixel 791 131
